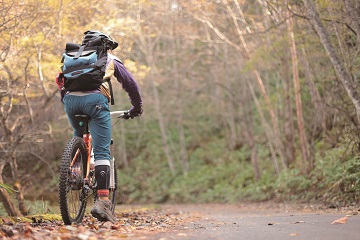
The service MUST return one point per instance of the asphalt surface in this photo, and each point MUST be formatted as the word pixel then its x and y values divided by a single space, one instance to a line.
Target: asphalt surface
pixel 253 222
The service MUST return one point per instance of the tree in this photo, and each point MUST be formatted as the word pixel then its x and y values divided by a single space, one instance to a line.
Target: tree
pixel 297 92
pixel 342 72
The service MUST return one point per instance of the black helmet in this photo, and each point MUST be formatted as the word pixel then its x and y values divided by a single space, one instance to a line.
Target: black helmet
pixel 92 35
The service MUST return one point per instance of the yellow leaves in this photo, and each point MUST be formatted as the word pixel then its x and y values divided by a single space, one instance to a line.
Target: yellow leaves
pixel 14 100
pixel 138 70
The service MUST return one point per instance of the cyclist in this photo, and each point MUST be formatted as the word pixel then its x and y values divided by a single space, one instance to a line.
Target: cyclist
pixel 95 104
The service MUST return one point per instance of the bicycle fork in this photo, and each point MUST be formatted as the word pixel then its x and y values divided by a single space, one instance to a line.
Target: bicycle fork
pixel 112 175
pixel 112 170
pixel 87 141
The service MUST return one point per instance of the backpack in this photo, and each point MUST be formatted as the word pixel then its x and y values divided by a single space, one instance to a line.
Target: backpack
pixel 84 67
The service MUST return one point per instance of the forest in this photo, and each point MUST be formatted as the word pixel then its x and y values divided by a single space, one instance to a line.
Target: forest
pixel 244 100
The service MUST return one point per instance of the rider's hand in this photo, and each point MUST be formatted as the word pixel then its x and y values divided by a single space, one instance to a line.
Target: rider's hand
pixel 135 111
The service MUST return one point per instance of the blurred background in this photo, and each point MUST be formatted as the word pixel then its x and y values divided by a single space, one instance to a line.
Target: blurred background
pixel 244 100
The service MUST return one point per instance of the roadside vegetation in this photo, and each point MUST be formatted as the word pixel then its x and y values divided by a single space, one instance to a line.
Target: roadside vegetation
pixel 229 178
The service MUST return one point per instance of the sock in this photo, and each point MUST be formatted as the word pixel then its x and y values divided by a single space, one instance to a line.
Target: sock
pixel 103 193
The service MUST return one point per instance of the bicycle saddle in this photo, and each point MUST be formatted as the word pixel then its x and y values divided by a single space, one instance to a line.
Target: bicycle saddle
pixel 82 117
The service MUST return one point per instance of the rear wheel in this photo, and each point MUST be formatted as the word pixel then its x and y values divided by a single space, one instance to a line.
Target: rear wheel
pixel 72 194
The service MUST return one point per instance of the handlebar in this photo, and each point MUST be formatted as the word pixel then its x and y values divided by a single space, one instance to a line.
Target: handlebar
pixel 121 114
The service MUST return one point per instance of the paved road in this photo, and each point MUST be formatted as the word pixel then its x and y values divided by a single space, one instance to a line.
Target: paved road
pixel 252 222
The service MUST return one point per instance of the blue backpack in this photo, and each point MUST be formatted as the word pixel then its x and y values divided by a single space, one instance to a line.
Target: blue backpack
pixel 84 65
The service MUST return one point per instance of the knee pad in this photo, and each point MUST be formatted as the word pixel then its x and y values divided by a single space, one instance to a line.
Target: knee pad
pixel 102 176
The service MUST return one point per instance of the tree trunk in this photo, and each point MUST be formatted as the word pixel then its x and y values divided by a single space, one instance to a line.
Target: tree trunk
pixel 180 125
pixel 164 138
pixel 20 198
pixel 276 132
pixel 289 129
pixel 147 48
pixel 267 129
pixel 7 203
pixel 230 117
pixel 341 72
pixel 17 185
pixel 353 9
pixel 320 117
pixel 121 147
pixel 5 197
pixel 254 159
pixel 249 133
pixel 298 101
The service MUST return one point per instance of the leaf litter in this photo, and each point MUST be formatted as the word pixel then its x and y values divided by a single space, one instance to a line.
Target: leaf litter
pixel 137 224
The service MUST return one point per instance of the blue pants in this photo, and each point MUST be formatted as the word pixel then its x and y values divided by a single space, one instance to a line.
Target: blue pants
pixel 96 106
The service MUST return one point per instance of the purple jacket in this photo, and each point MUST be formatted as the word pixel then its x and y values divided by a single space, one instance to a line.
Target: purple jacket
pixel 128 83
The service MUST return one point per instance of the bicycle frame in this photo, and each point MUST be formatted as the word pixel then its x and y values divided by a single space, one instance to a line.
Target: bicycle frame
pixel 87 140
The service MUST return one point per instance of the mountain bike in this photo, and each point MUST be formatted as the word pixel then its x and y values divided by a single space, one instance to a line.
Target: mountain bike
pixel 77 173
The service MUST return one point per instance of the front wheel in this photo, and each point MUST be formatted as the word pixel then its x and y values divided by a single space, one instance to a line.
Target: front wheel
pixel 72 194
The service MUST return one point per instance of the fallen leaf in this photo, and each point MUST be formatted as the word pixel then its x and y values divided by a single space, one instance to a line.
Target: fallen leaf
pixel 340 220
pixel 71 228
pixel 63 230
pixel 116 226
pixel 294 234
pixel 297 222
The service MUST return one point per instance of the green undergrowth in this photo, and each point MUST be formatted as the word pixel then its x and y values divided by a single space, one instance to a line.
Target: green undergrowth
pixel 227 177
pixel 36 209
pixel 335 180
pixel 37 218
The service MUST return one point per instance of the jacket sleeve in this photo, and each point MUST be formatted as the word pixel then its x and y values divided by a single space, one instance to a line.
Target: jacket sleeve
pixel 128 83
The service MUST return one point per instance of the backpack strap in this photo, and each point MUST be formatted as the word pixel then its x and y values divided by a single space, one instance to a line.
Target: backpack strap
pixel 78 54
pixel 111 93
pixel 108 73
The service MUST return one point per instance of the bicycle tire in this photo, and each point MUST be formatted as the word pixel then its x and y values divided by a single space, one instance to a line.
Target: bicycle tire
pixel 72 194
